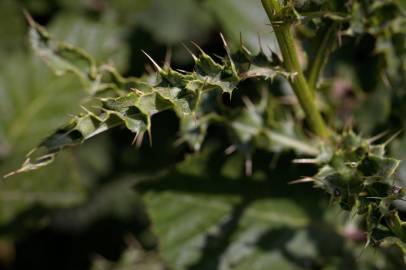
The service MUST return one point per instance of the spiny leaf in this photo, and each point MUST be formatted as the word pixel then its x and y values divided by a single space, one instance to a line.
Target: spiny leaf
pixel 186 93
pixel 361 178
pixel 63 58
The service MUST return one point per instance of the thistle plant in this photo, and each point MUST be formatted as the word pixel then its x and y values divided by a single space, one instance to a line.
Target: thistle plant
pixel 353 171
pixel 356 172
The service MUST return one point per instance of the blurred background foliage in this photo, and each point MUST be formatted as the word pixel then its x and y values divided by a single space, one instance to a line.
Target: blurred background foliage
pixel 109 205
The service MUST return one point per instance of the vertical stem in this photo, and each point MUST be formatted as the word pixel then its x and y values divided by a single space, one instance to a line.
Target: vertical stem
pixel 299 84
pixel 321 56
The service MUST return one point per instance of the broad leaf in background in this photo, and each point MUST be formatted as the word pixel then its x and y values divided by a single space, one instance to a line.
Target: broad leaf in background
pixel 32 100
pixel 12 36
pixel 207 215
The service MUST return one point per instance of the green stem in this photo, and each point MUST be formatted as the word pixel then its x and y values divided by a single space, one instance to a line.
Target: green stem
pixel 272 7
pixel 299 84
pixel 321 57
